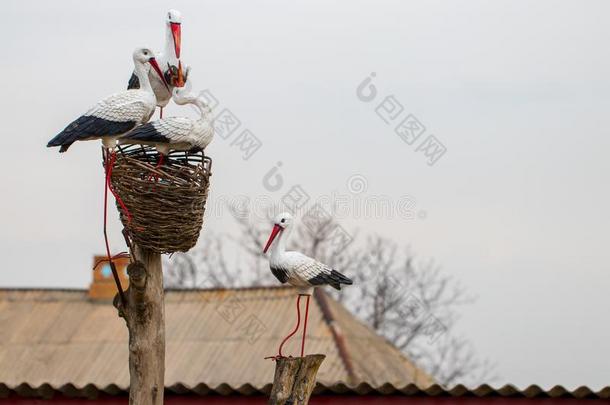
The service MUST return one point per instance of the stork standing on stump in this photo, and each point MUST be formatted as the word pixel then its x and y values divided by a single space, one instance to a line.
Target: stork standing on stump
pixel 176 133
pixel 169 60
pixel 298 270
pixel 109 119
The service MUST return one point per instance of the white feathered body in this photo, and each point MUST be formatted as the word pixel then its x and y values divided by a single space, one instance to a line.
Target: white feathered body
pixel 126 105
pixel 174 133
pixel 298 267
pixel 136 106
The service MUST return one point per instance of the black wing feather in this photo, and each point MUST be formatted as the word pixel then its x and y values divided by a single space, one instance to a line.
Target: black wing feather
pixel 148 133
pixel 87 127
pixel 280 274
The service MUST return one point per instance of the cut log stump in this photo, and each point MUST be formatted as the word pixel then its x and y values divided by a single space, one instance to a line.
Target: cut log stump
pixel 295 379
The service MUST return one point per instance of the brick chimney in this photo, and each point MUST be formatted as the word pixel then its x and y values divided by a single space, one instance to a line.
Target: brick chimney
pixel 103 286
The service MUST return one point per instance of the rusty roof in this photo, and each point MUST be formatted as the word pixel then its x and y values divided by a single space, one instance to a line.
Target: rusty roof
pixel 216 340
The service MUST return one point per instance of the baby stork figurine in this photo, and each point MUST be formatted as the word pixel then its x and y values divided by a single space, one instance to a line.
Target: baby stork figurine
pixel 298 270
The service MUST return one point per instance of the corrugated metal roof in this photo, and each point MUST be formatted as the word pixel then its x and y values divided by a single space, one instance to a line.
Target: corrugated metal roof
pixel 60 341
pixel 216 340
pixel 410 390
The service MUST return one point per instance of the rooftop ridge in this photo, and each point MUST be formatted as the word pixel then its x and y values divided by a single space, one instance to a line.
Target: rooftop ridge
pixel 46 390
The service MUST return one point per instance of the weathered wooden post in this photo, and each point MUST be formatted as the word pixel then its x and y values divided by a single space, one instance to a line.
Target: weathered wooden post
pixel 144 315
pixel 295 379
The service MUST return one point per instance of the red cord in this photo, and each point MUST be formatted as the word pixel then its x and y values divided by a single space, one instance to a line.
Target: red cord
pixel 305 325
pixel 295 329
pixel 112 267
pixel 122 255
pixel 116 196
pixel 106 207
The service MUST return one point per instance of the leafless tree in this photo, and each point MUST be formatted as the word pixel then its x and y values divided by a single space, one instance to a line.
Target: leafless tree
pixel 412 303
pixel 205 266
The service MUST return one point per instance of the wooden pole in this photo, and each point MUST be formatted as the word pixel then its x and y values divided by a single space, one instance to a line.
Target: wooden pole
pixel 144 315
pixel 295 379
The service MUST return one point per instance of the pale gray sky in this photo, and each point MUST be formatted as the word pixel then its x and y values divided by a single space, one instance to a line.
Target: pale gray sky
pixel 517 91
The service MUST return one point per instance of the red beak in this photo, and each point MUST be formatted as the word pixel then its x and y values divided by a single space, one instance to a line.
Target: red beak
pixel 177 35
pixel 274 232
pixel 155 65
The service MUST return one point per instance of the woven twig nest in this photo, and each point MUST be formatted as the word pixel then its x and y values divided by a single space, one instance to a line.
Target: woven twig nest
pixel 161 208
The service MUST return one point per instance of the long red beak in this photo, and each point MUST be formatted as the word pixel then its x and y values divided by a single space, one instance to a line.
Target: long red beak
pixel 177 35
pixel 274 232
pixel 155 65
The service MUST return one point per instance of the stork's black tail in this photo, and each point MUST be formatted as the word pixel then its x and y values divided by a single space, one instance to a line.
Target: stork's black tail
pixel 66 137
pixel 336 279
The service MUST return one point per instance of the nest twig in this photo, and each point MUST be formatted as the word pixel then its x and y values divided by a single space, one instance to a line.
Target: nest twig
pixel 165 204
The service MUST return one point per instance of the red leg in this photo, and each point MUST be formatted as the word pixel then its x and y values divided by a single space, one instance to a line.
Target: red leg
pixel 296 328
pixel 305 325
pixel 161 160
pixel 160 112
pixel 110 163
pixel 159 164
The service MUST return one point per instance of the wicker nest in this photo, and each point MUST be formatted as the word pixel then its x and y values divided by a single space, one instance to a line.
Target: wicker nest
pixel 161 208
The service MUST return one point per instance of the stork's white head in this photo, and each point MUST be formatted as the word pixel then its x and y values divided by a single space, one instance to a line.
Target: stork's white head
pixel 281 222
pixel 174 21
pixel 174 16
pixel 145 55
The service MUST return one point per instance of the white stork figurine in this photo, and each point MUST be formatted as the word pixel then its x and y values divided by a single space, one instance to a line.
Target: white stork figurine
pixel 176 133
pixel 118 113
pixel 298 270
pixel 169 60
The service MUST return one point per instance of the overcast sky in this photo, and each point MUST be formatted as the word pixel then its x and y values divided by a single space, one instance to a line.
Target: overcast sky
pixel 516 91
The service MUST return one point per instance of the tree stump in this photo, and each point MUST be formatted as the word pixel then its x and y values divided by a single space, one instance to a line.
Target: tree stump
pixel 295 379
pixel 144 315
